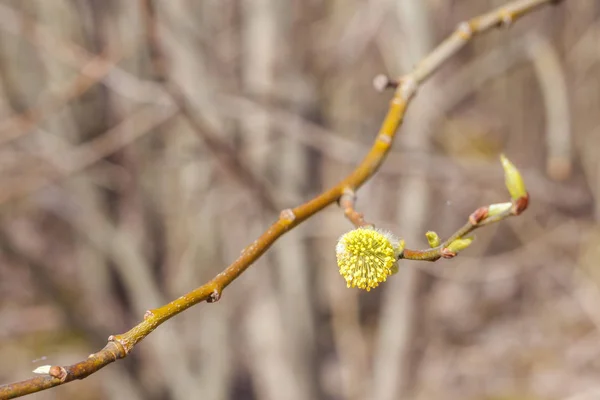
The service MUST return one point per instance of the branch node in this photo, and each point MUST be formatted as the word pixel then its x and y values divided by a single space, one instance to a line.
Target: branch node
pixel 58 372
pixel 348 192
pixel 447 253
pixel 148 314
pixel 408 88
pixel 287 215
pixel 520 204
pixel 506 18
pixel 214 296
pixel 123 350
pixel 478 215
pixel 347 199
pixel 464 30
pixel 384 138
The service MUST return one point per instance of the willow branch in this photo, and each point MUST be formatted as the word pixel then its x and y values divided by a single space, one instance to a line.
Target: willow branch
pixel 21 124
pixel 347 204
pixel 224 152
pixel 477 219
pixel 137 124
pixel 119 346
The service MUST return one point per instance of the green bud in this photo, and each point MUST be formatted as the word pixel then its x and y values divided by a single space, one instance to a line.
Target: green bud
pixel 433 239
pixel 512 179
pixel 499 208
pixel 460 244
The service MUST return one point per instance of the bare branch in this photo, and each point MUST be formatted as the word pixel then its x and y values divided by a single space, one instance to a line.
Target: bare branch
pixel 119 346
pixel 21 124
pixel 347 204
pixel 480 217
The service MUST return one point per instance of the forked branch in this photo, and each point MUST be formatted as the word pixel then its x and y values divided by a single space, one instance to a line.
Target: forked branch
pixel 120 345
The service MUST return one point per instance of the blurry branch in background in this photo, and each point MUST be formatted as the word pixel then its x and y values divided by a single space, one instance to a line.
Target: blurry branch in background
pixel 223 151
pixel 136 125
pixel 117 79
pixel 119 346
pixel 91 73
pixel 167 98
pixel 58 288
pixel 553 87
pixel 401 162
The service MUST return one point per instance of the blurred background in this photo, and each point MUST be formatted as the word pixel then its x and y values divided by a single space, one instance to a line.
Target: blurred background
pixel 143 144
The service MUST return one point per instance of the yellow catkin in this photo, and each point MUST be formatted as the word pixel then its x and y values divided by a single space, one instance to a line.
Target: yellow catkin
pixel 366 257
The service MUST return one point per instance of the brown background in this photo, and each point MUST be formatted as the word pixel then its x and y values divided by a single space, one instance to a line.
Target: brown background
pixel 114 202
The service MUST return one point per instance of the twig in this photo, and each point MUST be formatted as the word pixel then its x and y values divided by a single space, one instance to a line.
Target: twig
pixel 50 283
pixel 553 87
pixel 222 150
pixel 119 346
pixel 347 204
pixel 137 124
pixel 476 220
pixel 409 163
pixel 89 75
pixel 117 79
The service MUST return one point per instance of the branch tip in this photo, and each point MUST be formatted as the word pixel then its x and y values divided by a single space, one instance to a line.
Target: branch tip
pixel 382 82
pixel 433 239
pixel 513 179
pixel 348 193
pixel 42 370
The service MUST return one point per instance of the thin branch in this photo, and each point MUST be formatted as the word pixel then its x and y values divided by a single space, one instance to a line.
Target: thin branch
pixel 137 124
pixel 553 87
pixel 90 74
pixel 221 149
pixel 477 219
pixel 119 346
pixel 346 203
pixel 117 79
pixel 401 162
